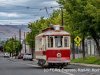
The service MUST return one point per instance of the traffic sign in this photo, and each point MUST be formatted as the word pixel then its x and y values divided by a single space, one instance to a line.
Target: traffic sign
pixel 77 40
pixel 77 44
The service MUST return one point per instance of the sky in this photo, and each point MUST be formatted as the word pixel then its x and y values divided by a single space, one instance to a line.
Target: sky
pixel 21 12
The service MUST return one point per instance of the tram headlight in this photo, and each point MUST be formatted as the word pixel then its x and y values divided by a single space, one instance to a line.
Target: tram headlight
pixel 59 55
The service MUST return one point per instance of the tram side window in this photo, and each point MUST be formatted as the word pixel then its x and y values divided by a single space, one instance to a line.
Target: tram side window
pixel 50 41
pixel 58 41
pixel 66 41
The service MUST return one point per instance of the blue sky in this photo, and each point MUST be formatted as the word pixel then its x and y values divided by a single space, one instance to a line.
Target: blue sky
pixel 18 12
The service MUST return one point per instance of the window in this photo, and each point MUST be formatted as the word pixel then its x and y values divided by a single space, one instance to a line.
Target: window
pixel 58 41
pixel 50 41
pixel 66 41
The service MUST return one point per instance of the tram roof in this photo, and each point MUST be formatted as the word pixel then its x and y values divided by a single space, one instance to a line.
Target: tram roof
pixel 54 33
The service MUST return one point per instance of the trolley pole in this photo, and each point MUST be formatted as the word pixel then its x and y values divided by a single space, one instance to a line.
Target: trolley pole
pixel 47 11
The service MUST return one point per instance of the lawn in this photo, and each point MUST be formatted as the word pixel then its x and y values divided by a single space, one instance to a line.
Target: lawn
pixel 87 60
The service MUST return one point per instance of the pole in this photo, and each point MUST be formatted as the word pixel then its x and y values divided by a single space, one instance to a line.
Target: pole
pixel 25 41
pixel 62 21
pixel 20 35
pixel 77 51
pixel 32 50
pixel 15 46
pixel 32 45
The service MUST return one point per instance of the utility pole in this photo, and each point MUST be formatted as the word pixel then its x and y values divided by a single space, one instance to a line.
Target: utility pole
pixel 25 41
pixel 20 35
pixel 15 45
pixel 32 45
pixel 62 20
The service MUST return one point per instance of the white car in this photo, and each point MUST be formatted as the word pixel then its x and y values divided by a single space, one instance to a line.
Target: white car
pixel 27 56
pixel 6 55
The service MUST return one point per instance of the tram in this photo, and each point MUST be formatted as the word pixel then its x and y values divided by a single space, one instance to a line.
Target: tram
pixel 52 47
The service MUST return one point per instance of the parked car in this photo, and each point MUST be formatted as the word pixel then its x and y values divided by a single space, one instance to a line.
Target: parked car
pixel 6 55
pixel 27 56
pixel 20 56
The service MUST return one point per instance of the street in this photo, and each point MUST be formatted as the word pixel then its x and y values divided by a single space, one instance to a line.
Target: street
pixel 9 66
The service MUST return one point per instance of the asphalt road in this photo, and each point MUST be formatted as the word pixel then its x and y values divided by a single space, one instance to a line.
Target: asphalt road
pixel 19 67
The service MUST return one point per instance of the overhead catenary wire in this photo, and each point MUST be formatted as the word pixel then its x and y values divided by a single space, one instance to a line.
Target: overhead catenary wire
pixel 29 7
pixel 35 9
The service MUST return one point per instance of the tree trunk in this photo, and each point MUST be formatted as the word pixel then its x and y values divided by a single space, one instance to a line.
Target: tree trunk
pixel 10 54
pixel 97 44
pixel 95 36
pixel 73 49
pixel 83 47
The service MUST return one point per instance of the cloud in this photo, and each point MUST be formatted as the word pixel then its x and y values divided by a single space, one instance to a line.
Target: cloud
pixel 18 12
pixel 50 3
pixel 12 2
pixel 5 14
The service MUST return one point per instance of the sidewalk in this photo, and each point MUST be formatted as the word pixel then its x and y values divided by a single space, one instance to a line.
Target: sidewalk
pixel 88 65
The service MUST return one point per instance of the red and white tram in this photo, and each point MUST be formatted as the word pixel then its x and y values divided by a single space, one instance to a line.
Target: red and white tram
pixel 52 46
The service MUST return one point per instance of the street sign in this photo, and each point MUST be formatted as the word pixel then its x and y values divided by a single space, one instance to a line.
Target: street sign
pixel 77 44
pixel 77 40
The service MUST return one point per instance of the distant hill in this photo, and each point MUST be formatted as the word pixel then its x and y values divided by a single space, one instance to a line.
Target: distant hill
pixel 8 31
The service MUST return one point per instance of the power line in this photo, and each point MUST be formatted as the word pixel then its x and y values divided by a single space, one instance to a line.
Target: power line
pixel 28 7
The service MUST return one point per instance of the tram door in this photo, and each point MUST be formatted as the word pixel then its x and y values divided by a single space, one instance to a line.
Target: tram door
pixel 44 43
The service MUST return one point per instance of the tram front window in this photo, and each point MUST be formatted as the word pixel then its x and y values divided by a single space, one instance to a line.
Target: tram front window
pixel 58 41
pixel 66 41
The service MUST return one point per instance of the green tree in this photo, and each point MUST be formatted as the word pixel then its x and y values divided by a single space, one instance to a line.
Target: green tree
pixel 35 27
pixel 12 46
pixel 83 18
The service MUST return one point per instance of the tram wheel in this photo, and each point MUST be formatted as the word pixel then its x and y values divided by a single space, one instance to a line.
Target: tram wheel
pixel 41 62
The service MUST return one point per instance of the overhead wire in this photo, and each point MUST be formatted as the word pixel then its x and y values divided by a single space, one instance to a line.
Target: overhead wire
pixel 32 8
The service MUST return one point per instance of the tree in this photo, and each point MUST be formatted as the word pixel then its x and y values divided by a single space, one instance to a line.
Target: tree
pixel 84 18
pixel 35 27
pixel 12 46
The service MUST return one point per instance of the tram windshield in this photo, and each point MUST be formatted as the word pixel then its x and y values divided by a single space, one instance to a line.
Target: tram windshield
pixel 58 41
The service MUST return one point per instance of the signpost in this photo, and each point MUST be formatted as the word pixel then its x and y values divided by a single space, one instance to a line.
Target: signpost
pixel 77 42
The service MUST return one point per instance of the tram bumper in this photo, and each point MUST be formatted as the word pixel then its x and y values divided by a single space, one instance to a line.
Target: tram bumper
pixel 58 60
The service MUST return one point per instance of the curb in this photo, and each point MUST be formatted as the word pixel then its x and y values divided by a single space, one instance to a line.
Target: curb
pixel 88 65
